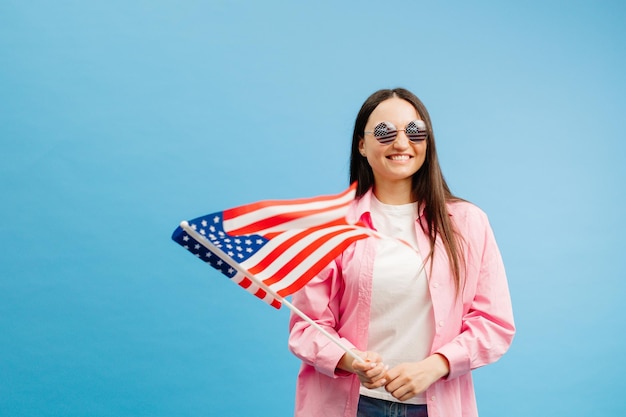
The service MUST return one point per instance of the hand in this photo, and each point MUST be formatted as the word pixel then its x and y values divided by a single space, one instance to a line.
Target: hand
pixel 410 379
pixel 371 373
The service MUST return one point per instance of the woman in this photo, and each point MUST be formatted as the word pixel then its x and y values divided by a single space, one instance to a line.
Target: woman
pixel 422 314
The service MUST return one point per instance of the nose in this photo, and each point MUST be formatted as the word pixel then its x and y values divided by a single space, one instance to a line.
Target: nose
pixel 402 140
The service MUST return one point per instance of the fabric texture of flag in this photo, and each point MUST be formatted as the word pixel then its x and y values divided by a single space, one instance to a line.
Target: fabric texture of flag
pixel 282 243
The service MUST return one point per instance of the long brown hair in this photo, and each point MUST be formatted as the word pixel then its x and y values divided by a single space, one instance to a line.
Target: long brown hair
pixel 429 188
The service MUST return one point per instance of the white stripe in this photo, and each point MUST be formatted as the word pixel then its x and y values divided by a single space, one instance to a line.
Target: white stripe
pixel 288 254
pixel 298 247
pixel 308 221
pixel 253 288
pixel 306 264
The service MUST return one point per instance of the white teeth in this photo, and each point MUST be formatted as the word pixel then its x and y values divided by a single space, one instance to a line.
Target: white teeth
pixel 399 157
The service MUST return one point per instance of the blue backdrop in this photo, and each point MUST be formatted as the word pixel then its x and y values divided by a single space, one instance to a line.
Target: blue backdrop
pixel 118 119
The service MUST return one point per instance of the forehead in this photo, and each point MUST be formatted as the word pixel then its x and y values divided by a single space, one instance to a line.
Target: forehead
pixel 394 110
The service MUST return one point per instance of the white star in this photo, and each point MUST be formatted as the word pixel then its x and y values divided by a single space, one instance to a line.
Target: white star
pixel 204 223
pixel 185 238
pixel 197 246
pixel 216 219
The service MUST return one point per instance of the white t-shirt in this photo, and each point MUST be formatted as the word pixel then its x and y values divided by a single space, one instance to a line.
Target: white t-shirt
pixel 401 319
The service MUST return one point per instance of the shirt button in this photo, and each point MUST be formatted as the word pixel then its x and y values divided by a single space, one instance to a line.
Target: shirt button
pixel 432 398
pixel 441 323
pixel 436 285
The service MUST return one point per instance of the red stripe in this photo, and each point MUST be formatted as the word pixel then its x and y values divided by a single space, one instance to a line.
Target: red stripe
pixel 331 223
pixel 318 266
pixel 278 219
pixel 300 257
pixel 238 211
pixel 261 293
pixel 245 282
pixel 278 250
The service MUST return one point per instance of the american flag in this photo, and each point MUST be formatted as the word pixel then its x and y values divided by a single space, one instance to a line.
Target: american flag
pixel 277 244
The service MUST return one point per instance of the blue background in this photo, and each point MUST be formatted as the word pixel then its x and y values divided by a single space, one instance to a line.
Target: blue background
pixel 119 119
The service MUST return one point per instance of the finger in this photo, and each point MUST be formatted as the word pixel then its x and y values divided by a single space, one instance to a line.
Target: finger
pixel 373 384
pixel 379 371
pixel 393 383
pixel 403 393
pixel 363 368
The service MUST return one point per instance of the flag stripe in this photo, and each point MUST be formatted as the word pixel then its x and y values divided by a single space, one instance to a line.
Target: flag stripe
pixel 285 245
pixel 247 284
pixel 283 221
pixel 315 262
pixel 345 196
pixel 283 215
pixel 335 222
pixel 301 248
pixel 281 249
pixel 302 280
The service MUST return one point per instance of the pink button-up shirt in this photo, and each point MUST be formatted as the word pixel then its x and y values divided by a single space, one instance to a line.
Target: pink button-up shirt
pixel 471 330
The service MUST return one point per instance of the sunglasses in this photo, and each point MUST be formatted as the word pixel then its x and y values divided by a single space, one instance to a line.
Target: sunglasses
pixel 385 132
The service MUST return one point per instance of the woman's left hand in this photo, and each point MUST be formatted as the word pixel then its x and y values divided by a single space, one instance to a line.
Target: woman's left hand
pixel 410 379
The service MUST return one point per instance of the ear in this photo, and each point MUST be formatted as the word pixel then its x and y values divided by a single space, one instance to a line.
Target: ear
pixel 362 146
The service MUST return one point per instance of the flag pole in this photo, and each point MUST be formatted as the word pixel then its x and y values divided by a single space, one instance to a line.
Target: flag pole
pixel 211 247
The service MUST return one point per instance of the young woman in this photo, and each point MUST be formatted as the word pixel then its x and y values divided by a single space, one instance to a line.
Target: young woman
pixel 422 315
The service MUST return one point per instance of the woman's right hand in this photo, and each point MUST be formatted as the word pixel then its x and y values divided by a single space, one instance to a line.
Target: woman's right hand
pixel 371 372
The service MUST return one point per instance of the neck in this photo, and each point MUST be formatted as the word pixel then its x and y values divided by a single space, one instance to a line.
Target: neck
pixel 394 193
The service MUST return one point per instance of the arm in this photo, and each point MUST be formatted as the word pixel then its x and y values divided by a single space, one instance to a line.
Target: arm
pixel 330 300
pixel 320 300
pixel 487 326
pixel 478 323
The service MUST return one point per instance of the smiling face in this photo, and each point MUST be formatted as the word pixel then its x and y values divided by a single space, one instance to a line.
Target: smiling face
pixel 395 162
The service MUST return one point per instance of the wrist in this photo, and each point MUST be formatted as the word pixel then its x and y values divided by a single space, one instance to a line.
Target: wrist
pixel 440 366
pixel 345 363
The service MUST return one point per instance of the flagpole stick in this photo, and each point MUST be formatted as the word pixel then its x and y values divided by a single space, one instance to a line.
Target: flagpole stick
pixel 211 247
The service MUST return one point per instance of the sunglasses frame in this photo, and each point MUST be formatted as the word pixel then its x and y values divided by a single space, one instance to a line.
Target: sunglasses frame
pixel 386 132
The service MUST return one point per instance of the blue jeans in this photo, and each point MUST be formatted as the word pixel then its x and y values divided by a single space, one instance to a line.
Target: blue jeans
pixel 373 407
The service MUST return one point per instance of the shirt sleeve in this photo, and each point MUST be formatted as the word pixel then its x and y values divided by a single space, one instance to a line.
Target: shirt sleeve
pixel 319 300
pixel 487 327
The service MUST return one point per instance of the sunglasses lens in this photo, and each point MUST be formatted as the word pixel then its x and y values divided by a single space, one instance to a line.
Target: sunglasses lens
pixel 416 131
pixel 385 132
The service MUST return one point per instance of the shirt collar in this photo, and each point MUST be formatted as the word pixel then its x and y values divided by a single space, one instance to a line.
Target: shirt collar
pixel 362 208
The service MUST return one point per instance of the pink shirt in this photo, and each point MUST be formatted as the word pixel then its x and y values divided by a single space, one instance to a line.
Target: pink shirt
pixel 471 330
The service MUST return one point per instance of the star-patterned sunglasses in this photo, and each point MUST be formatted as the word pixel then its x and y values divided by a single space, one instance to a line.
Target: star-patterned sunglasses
pixel 385 132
